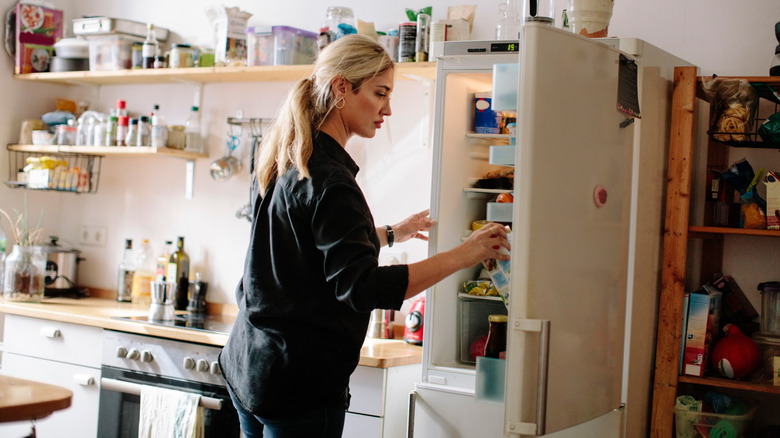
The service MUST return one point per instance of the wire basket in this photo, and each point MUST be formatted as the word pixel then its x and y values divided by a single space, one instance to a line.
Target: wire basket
pixel 754 138
pixel 74 173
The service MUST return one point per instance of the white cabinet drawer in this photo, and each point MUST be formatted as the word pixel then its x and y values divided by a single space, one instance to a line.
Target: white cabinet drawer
pixel 77 421
pixel 367 386
pixel 362 426
pixel 60 341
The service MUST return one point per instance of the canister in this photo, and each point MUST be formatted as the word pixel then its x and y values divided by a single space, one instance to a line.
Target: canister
pixel 770 349
pixel 181 56
pixel 407 36
pixel 770 307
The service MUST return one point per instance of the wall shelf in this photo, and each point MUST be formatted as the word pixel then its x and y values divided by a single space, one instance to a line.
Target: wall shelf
pixel 137 151
pixel 732 384
pixel 207 75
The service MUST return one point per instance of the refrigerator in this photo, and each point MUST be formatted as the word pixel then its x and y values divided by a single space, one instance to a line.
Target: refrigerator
pixel 585 217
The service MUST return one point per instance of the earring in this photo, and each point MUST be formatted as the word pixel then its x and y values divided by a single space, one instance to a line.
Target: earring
pixel 341 101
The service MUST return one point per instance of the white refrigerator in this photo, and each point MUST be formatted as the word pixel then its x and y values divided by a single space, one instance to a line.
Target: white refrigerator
pixel 579 227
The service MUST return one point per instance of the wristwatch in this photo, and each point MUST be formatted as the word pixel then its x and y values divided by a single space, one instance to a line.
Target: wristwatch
pixel 390 235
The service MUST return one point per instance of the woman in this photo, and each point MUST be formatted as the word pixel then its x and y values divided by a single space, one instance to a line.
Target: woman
pixel 311 276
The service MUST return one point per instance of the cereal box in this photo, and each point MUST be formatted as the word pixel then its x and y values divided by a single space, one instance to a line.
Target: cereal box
pixel 37 29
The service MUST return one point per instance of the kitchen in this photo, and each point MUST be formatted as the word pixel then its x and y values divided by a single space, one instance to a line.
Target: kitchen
pixel 144 197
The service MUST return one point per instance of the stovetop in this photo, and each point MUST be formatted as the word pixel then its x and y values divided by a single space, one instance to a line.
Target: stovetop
pixel 217 323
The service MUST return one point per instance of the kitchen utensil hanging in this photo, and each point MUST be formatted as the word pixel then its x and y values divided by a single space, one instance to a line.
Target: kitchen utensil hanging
pixel 256 132
pixel 225 167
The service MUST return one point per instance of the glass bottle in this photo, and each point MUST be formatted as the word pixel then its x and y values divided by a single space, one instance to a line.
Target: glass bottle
pixel 145 267
pixel 179 271
pixel 144 131
pixel 125 272
pixel 24 274
pixel 132 133
pixel 162 261
pixel 111 128
pixel 192 140
pixel 150 47
pixel 121 130
pixel 496 342
pixel 508 27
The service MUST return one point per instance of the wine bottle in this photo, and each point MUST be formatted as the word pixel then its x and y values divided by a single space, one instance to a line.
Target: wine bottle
pixel 179 271
pixel 125 273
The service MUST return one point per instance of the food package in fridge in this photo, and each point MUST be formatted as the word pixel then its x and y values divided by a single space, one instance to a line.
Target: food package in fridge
pixel 37 29
pixel 500 273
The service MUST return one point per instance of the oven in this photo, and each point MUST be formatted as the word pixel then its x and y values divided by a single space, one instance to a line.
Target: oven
pixel 130 361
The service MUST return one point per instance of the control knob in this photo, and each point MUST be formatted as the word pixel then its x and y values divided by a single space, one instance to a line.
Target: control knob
pixel 203 365
pixel 133 354
pixel 189 363
pixel 146 356
pixel 215 368
pixel 121 352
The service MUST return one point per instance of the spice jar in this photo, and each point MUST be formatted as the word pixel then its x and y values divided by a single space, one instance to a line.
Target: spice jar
pixel 496 342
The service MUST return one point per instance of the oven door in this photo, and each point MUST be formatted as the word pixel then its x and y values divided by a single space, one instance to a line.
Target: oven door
pixel 120 403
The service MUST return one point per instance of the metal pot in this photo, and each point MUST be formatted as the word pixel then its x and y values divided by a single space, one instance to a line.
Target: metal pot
pixel 61 265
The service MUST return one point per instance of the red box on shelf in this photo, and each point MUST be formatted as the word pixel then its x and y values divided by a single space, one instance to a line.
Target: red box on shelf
pixel 37 29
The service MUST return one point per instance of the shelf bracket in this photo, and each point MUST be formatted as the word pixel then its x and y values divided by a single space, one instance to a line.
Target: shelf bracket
pixel 189 179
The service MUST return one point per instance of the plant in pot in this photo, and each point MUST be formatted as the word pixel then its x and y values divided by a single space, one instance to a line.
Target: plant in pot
pixel 25 267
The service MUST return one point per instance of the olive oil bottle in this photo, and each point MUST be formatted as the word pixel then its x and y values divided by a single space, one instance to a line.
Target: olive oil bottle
pixel 179 271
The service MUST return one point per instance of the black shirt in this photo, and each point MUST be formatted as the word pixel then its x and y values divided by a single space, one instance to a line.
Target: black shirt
pixel 311 278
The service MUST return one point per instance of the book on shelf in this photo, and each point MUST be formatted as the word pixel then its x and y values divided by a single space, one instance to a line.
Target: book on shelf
pixel 703 319
pixel 686 299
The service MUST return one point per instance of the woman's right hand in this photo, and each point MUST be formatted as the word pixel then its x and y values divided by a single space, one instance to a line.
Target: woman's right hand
pixel 483 244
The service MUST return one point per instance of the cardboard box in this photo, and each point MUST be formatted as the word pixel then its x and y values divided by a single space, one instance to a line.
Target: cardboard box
pixel 37 29
pixel 230 28
pixel 702 329
pixel 772 183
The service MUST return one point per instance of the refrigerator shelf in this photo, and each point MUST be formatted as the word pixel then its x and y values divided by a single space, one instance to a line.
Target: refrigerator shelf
pixel 477 193
pixel 507 137
pixel 465 296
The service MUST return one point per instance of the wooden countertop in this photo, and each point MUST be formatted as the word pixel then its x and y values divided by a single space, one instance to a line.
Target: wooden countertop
pixel 22 399
pixel 99 312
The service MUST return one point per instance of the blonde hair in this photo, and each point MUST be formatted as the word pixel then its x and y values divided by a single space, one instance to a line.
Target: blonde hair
pixel 288 143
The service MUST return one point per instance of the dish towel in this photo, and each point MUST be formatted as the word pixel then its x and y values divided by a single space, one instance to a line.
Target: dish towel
pixel 167 413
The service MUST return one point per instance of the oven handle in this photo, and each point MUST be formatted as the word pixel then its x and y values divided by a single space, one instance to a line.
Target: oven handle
pixel 134 388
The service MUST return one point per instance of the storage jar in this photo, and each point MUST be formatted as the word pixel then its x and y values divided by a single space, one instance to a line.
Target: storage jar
pixel 25 270
pixel 770 307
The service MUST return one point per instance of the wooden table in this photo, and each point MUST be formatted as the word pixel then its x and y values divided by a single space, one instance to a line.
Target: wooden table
pixel 22 399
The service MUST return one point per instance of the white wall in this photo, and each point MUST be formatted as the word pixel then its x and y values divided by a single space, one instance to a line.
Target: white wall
pixel 144 197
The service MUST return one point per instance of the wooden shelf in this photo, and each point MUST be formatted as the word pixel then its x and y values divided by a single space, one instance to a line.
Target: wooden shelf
pixel 704 232
pixel 109 150
pixel 280 73
pixel 731 384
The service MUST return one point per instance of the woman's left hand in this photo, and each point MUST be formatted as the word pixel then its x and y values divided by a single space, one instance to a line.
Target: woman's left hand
pixel 411 227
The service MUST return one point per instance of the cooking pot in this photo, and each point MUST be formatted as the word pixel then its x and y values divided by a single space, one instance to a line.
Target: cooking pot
pixel 61 265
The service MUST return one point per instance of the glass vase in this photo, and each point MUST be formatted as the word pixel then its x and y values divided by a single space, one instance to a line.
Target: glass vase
pixel 25 269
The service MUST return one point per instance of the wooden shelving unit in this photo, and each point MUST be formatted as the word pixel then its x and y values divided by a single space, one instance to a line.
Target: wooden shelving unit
pixel 677 232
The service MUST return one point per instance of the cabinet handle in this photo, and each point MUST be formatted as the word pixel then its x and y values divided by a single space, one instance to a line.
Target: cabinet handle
pixel 135 388
pixel 50 332
pixel 410 414
pixel 542 327
pixel 84 379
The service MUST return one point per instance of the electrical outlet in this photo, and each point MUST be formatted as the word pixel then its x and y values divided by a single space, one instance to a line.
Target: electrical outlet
pixel 93 235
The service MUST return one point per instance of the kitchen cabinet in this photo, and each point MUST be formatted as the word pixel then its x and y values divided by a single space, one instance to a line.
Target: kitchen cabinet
pixel 61 354
pixel 678 233
pixel 379 403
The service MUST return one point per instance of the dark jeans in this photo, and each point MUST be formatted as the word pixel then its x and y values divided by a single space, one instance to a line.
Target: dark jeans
pixel 325 422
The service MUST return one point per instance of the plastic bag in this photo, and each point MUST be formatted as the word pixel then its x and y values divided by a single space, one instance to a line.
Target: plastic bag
pixel 752 206
pixel 734 103
pixel 770 129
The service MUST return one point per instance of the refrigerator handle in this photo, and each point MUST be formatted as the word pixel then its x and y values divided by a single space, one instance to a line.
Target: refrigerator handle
pixel 410 414
pixel 543 328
